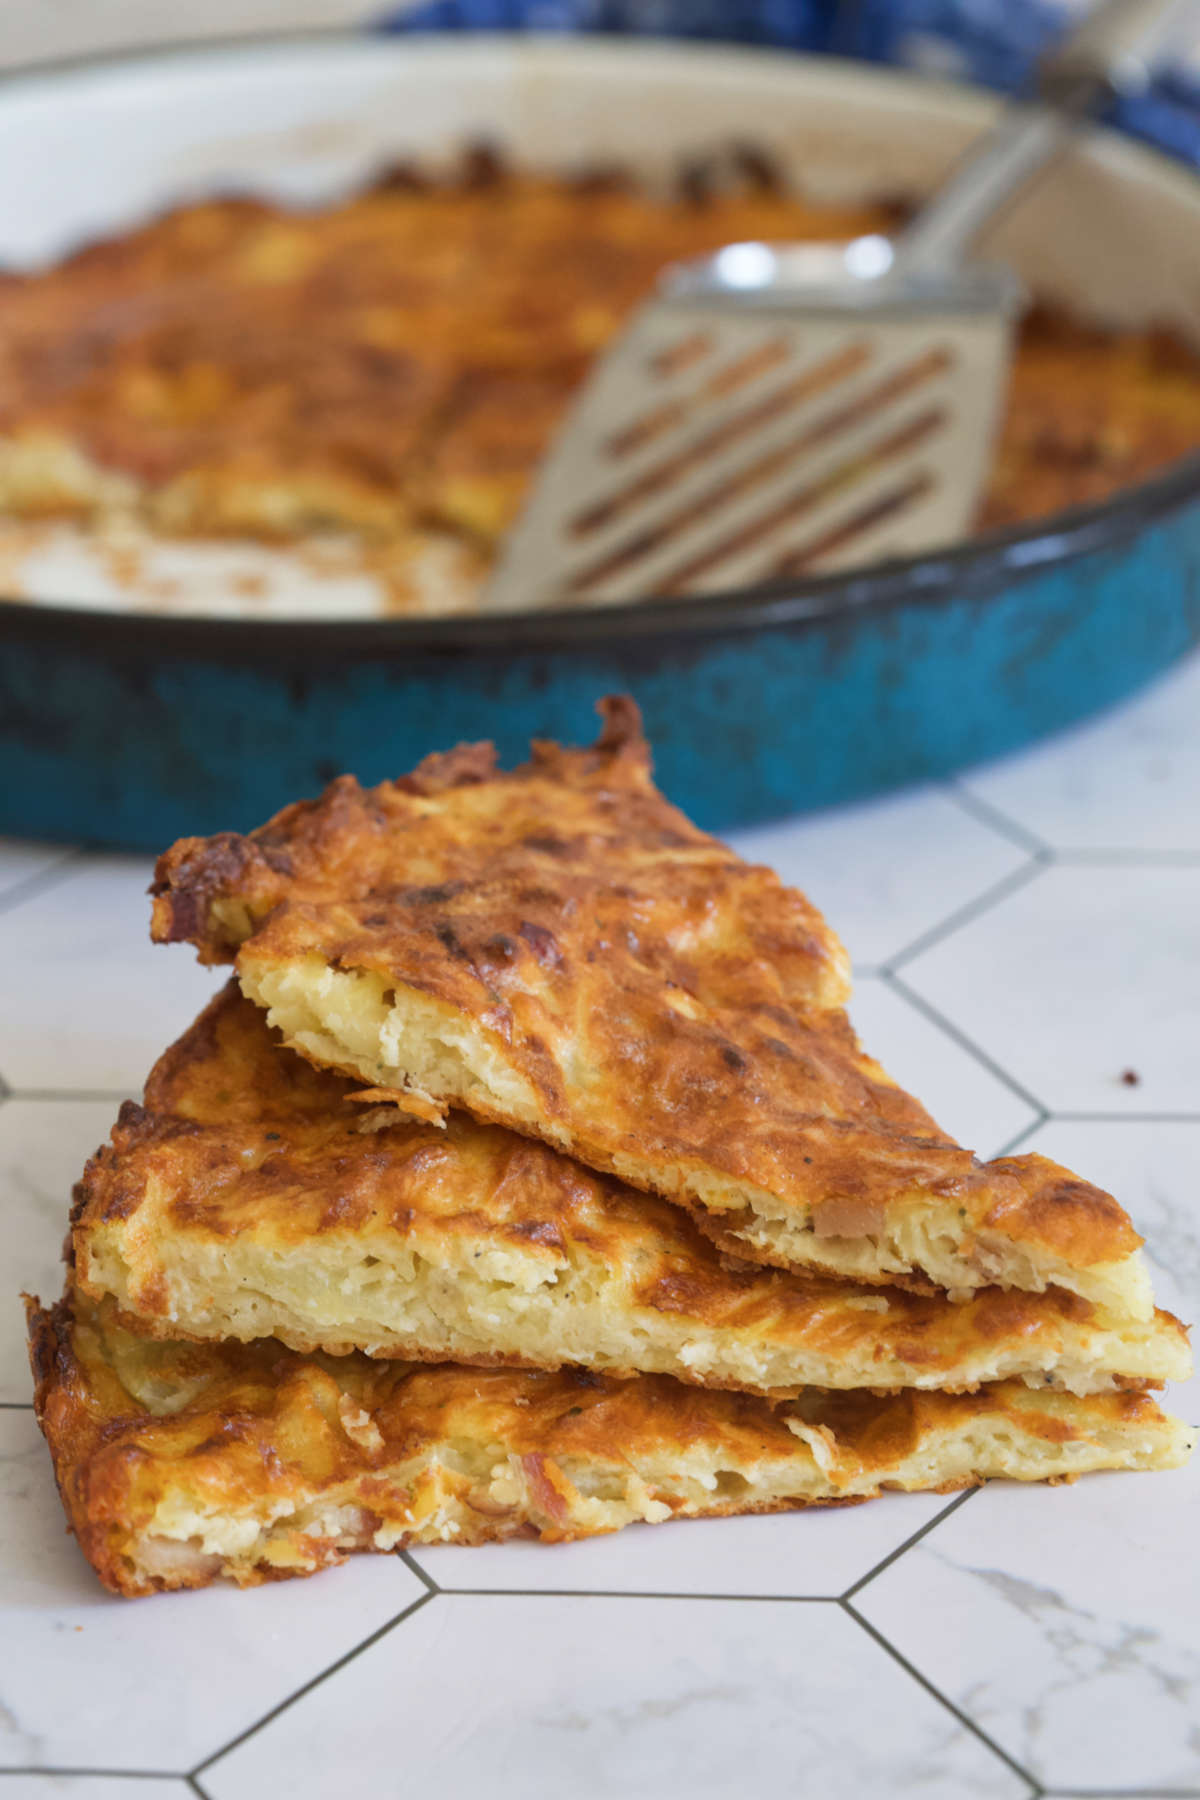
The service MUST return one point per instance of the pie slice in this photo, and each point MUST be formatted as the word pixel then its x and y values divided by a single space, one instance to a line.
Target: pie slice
pixel 179 1465
pixel 557 949
pixel 252 1196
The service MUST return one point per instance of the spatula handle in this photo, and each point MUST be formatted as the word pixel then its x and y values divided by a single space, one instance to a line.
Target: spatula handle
pixel 1115 49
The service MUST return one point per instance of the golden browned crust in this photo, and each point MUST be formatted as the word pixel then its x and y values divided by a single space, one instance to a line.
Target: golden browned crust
pixel 248 1171
pixel 634 993
pixel 180 1465
pixel 398 364
pixel 395 365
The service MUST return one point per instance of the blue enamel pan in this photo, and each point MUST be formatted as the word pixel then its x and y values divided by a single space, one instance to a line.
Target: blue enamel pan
pixel 131 727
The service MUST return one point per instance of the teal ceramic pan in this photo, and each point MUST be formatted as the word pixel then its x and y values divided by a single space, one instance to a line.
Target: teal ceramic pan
pixel 129 726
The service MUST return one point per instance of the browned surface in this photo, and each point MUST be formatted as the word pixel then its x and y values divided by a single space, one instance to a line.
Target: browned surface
pixel 666 1000
pixel 240 1144
pixel 401 362
pixel 234 1429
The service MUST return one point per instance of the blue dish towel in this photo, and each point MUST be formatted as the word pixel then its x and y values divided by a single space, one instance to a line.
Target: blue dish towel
pixel 994 42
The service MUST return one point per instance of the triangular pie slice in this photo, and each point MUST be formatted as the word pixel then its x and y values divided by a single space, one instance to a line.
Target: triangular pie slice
pixel 180 1464
pixel 251 1196
pixel 559 950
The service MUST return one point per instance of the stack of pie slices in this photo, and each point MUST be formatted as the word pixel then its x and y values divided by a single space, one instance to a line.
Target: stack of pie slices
pixel 529 1178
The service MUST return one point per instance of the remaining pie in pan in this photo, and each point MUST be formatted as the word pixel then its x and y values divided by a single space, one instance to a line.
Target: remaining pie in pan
pixel 392 368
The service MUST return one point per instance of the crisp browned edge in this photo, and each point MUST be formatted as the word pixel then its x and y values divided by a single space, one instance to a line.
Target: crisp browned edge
pixel 193 871
pixel 91 1483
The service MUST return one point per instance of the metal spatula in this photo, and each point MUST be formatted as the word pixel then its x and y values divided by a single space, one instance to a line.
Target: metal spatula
pixel 777 410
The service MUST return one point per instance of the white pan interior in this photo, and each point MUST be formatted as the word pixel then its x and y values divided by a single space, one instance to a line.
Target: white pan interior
pixel 1114 233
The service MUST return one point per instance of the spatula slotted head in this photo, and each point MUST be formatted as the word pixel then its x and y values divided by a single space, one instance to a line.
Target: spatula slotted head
pixel 719 446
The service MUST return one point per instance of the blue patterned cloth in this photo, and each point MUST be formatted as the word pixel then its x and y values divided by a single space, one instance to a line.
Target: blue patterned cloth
pixel 788 24
pixel 994 42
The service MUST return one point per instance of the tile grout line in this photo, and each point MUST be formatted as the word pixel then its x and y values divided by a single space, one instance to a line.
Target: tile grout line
pixel 984 813
pixel 113 1096
pixel 1021 1137
pixel 956 1035
pixel 44 879
pixel 635 1594
pixel 307 1687
pixel 1129 859
pixel 1012 883
pixel 1127 1118
pixel 936 1693
pixel 895 1555
pixel 423 1576
pixel 54 1770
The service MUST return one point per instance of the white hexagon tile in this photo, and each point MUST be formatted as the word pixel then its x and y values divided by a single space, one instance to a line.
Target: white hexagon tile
pixel 91 1682
pixel 1084 985
pixel 42 1785
pixel 884 873
pixel 1068 1631
pixel 1034 932
pixel 43 1147
pixel 1064 1625
pixel 88 1004
pixel 513 1696
pixel 23 863
pixel 1126 782
pixel 968 1095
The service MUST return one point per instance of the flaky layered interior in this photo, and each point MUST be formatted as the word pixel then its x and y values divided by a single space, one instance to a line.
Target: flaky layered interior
pixel 397 1038
pixel 476 1303
pixel 331 1455
pixel 253 1195
pixel 471 1492
pixel 928 1240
